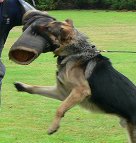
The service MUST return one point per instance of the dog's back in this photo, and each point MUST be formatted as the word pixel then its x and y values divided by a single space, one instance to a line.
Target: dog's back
pixel 112 92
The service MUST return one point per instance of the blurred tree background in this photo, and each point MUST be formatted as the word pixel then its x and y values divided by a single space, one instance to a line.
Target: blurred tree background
pixel 85 4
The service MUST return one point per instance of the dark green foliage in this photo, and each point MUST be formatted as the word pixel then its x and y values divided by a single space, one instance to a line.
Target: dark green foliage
pixel 120 4
pixel 46 4
pixel 85 4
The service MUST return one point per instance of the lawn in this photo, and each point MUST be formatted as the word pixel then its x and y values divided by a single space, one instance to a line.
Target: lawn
pixel 24 118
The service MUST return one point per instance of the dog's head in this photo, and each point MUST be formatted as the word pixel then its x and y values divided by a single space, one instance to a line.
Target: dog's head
pixel 60 34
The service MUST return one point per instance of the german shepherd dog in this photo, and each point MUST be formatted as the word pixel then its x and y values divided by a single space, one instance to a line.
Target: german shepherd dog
pixel 84 77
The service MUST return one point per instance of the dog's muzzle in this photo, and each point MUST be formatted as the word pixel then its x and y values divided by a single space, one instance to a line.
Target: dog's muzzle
pixel 30 45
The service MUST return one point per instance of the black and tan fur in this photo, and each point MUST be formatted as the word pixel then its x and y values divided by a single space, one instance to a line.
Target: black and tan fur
pixel 85 77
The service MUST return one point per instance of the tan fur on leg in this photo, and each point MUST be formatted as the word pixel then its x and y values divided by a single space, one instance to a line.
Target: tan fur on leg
pixel 77 95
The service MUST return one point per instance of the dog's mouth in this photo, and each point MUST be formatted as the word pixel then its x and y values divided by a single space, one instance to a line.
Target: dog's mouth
pixel 58 34
pixel 41 37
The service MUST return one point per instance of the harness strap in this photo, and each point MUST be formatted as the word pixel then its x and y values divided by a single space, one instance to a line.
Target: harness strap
pixel 89 68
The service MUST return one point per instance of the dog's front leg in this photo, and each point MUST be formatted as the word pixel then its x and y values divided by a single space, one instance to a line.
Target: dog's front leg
pixel 77 95
pixel 47 91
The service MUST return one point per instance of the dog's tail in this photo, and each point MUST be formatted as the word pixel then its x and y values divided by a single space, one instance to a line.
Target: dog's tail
pixel 131 128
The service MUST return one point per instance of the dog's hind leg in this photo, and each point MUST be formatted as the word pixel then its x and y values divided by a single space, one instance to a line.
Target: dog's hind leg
pixel 132 132
pixel 47 91
pixel 77 95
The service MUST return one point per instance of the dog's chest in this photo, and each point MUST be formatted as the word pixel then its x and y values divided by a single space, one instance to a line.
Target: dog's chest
pixel 63 82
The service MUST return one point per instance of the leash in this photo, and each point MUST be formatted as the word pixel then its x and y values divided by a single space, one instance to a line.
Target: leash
pixel 110 51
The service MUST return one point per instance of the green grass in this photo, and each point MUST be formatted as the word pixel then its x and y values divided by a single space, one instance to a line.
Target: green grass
pixel 24 118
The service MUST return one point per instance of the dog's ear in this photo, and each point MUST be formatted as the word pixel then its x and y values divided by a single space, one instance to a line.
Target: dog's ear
pixel 70 22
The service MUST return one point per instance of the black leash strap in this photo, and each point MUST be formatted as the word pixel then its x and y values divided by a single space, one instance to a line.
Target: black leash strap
pixel 110 51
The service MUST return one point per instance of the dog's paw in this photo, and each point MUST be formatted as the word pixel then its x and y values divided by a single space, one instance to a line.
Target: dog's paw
pixel 19 86
pixel 52 130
